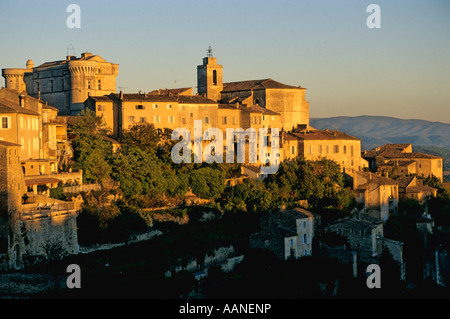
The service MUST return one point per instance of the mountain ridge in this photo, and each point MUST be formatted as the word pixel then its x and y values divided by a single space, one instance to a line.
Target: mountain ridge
pixel 379 130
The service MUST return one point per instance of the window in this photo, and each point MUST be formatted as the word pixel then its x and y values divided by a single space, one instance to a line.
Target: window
pixel 183 107
pixel 130 118
pixel 336 149
pixel 304 224
pixel 155 106
pixel 51 85
pixel 234 120
pixel 305 238
pixel 191 114
pixel 140 107
pixel 88 84
pixel 99 84
pixel 206 120
pixel 328 149
pixel 224 120
pixel 143 119
pixel 351 150
pixel 293 150
pixel 310 149
pixel 100 107
pixel 156 119
pixel 439 163
pixel 263 117
pixel 183 120
pixel 171 119
pixel 214 77
pixel 169 106
pixel 5 123
pixel 345 149
pixel 320 149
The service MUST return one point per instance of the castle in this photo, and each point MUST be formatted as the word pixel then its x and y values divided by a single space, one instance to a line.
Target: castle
pixel 64 83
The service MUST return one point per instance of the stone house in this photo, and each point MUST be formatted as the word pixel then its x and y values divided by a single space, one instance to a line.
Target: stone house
pixel 287 233
pixel 404 161
pixel 377 194
pixel 365 235
pixel 411 187
pixel 312 144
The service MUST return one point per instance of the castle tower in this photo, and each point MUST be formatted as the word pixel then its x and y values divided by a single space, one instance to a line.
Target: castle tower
pixel 14 76
pixel 67 83
pixel 210 77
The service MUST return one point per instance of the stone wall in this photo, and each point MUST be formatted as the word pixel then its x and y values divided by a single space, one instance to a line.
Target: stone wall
pixel 51 237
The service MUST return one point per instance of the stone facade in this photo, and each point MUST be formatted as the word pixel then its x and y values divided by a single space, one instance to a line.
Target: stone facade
pixel 65 83
pixel 312 144
pixel 401 160
pixel 287 233
pixel 365 235
pixel 379 195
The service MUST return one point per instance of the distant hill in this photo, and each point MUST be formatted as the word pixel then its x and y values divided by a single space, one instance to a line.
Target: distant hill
pixel 379 130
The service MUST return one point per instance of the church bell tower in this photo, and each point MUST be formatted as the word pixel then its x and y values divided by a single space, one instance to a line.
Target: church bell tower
pixel 210 77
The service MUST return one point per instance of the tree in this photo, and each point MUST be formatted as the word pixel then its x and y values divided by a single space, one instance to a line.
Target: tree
pixel 96 168
pixel 142 135
pixel 207 182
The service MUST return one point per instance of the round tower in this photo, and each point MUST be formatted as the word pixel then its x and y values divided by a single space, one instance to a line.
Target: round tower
pixel 14 76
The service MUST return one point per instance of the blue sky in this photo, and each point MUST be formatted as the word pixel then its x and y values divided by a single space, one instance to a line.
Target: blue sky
pixel 400 70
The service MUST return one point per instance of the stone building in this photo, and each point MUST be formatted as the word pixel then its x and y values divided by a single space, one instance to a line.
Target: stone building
pixel 411 187
pixel 377 194
pixel 65 83
pixel 287 233
pixel 365 235
pixel 32 225
pixel 312 144
pixel 402 161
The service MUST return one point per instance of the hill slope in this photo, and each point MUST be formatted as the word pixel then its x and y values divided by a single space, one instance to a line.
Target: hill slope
pixel 378 130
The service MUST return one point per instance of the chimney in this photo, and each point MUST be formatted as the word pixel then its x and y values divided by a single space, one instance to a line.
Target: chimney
pixel 22 100
pixel 121 95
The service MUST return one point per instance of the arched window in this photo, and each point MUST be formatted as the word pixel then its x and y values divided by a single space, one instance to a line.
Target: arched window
pixel 214 77
pixel 256 102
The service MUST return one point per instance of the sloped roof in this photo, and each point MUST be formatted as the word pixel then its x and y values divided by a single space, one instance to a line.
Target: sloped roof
pixel 390 151
pixel 322 135
pixel 257 109
pixel 7 106
pixel 255 85
pixel 8 144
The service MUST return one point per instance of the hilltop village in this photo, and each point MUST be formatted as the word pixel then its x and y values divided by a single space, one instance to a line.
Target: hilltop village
pixel 75 153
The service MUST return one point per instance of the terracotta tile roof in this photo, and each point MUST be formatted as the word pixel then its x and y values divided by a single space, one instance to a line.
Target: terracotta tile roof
pixel 170 91
pixel 323 135
pixel 404 181
pixel 41 181
pixel 195 99
pixel 7 106
pixel 103 98
pixel 419 188
pixel 255 85
pixel 8 144
pixel 257 109
pixel 142 97
pixel 374 180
